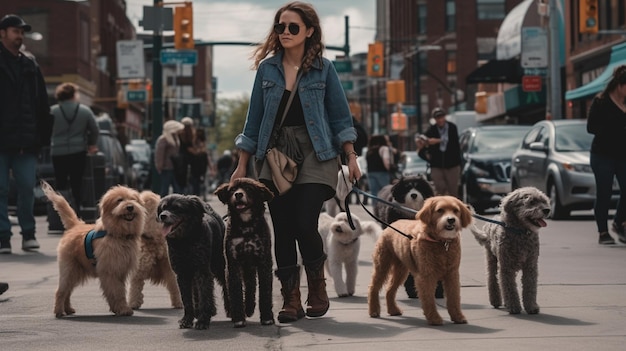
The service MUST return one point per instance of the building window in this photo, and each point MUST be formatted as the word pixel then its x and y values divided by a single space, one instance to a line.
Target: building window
pixel 451 62
pixel 84 40
pixel 422 12
pixel 490 9
pixel 450 15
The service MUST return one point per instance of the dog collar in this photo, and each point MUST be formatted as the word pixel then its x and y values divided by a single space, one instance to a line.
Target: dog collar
pixel 91 235
pixel 351 242
pixel 446 243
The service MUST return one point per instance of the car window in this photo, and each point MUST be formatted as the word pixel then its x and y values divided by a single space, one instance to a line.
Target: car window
pixel 497 140
pixel 572 137
pixel 531 137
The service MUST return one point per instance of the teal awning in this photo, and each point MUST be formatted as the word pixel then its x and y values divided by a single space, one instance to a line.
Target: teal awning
pixel 618 57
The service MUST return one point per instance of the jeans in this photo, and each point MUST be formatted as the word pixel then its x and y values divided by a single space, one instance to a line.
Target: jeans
pixel 605 168
pixel 23 166
pixel 376 181
pixel 167 179
pixel 68 173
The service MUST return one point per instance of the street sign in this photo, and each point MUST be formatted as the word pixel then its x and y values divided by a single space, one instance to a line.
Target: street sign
pixel 347 84
pixel 531 83
pixel 130 59
pixel 183 57
pixel 536 72
pixel 136 95
pixel 343 66
pixel 534 47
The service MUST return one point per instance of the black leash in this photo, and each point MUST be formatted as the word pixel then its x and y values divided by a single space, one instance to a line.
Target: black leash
pixel 502 224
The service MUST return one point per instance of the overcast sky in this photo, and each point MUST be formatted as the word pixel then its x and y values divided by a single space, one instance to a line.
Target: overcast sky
pixel 241 20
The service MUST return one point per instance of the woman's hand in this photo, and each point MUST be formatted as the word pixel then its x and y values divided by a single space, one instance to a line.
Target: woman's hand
pixel 239 172
pixel 354 172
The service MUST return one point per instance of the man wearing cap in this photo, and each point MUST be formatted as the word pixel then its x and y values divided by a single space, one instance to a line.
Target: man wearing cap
pixel 25 127
pixel 443 152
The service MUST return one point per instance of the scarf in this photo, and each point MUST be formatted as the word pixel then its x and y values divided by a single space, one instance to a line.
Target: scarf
pixel 443 135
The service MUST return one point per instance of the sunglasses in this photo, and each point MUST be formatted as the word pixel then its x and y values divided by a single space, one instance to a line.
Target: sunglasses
pixel 294 29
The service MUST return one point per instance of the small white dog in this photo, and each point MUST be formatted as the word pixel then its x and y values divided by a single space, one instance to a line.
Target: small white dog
pixel 342 245
pixel 336 204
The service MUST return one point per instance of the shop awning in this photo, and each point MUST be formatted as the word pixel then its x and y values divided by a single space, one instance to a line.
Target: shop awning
pixel 497 71
pixel 618 57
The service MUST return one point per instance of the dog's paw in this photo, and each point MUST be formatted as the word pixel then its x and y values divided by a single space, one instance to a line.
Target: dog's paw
pixel 126 311
pixel 374 314
pixel 343 295
pixel 436 321
pixel 239 324
pixel 268 322
pixel 201 325
pixel 515 310
pixel 185 323
pixel 459 320
pixel 534 309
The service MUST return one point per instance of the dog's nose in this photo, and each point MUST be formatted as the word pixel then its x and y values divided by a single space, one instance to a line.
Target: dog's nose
pixel 546 211
pixel 451 220
pixel 238 195
pixel 413 196
pixel 162 217
pixel 130 208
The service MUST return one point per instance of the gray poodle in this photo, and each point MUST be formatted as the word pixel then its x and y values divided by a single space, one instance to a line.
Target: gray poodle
pixel 515 247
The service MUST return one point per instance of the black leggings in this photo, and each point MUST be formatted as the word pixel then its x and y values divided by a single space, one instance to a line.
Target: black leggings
pixel 295 217
pixel 70 169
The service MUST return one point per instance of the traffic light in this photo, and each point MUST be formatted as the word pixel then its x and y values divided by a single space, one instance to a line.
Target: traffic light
pixel 183 26
pixel 588 16
pixel 375 60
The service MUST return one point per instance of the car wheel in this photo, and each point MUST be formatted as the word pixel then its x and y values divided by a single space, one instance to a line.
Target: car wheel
pixel 557 210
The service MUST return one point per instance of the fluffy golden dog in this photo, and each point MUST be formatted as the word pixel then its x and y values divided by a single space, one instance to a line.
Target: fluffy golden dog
pixel 114 255
pixel 154 262
pixel 432 253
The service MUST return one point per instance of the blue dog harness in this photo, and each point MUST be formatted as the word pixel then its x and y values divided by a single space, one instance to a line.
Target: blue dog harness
pixel 91 235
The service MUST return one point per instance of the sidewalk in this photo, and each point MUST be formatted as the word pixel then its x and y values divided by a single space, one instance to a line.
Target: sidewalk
pixel 582 294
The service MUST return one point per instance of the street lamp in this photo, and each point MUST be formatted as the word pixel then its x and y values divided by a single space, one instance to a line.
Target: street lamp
pixel 418 95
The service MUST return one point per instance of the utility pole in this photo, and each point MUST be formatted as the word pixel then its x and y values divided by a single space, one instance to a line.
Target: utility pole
pixel 157 95
pixel 556 108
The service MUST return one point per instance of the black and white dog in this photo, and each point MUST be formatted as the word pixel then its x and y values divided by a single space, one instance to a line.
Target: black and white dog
pixel 247 247
pixel 409 192
pixel 195 240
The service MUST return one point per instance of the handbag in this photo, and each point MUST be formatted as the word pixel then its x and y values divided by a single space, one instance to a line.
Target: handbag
pixel 284 170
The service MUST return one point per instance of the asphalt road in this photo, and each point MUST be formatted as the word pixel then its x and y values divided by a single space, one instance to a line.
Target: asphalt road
pixel 582 294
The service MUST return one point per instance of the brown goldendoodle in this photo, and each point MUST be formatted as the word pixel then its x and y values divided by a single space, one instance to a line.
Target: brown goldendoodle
pixel 432 253
pixel 154 262
pixel 107 249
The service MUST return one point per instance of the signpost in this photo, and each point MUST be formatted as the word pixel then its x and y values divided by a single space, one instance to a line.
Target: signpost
pixel 183 57
pixel 130 59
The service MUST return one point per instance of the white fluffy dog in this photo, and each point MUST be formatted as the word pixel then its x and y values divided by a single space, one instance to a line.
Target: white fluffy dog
pixel 342 246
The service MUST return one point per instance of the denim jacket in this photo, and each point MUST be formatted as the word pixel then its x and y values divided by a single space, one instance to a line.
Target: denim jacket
pixel 326 113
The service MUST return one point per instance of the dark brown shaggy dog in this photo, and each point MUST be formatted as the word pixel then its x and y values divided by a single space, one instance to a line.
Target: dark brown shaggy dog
pixel 154 262
pixel 122 219
pixel 195 240
pixel 433 253
pixel 247 247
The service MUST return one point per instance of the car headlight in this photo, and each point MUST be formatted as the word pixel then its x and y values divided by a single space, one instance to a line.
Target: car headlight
pixel 573 167
pixel 479 172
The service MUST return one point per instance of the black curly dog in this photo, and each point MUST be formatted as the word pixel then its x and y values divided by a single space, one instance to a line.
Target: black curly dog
pixel 247 247
pixel 195 239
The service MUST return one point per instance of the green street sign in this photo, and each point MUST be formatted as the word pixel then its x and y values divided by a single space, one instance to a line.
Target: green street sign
pixel 136 95
pixel 347 84
pixel 343 66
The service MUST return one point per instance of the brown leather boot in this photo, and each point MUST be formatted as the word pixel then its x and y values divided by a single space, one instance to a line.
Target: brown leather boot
pixel 317 300
pixel 292 306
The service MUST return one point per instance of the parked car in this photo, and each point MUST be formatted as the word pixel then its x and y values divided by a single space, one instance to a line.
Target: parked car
pixel 486 163
pixel 139 154
pixel 411 164
pixel 554 157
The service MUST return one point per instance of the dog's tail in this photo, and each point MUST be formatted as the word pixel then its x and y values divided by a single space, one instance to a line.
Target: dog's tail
pixel 372 229
pixel 480 235
pixel 66 212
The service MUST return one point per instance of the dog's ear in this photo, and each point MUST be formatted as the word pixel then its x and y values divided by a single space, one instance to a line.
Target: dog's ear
pixel 265 192
pixel 426 213
pixel 222 192
pixel 466 215
pixel 510 202
pixel 425 188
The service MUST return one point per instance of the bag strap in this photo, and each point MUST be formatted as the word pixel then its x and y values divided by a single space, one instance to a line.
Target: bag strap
pixel 282 119
pixel 69 121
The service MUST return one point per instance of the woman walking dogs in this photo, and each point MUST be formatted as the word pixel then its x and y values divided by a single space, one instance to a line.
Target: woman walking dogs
pixel 313 132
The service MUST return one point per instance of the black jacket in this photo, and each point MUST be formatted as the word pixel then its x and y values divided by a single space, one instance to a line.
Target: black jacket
pixel 25 119
pixel 448 159
pixel 608 125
